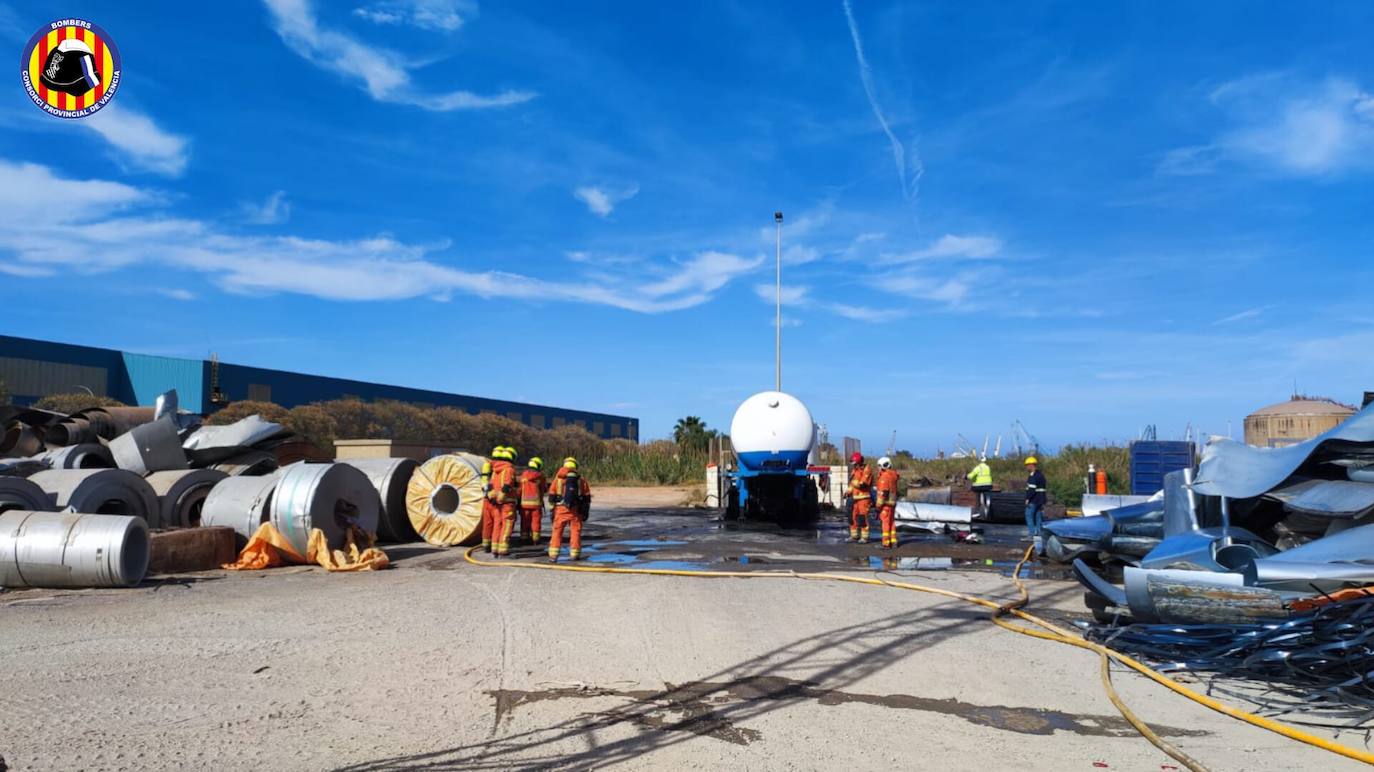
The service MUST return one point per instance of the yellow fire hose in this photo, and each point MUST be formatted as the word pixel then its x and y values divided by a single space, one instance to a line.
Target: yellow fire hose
pixel 1049 632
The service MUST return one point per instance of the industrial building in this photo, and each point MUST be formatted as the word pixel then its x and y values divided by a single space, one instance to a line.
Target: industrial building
pixel 1298 419
pixel 32 369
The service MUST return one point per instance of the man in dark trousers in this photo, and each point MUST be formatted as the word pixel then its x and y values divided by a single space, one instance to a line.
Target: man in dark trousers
pixel 1036 492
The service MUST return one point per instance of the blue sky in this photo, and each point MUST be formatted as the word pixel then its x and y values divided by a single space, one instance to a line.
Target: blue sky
pixel 1090 217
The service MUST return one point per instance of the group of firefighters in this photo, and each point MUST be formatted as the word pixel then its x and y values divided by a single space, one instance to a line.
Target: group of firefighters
pixel 866 493
pixel 508 494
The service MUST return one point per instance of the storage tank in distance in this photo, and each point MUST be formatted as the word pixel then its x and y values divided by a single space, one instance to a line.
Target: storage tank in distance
pixel 772 434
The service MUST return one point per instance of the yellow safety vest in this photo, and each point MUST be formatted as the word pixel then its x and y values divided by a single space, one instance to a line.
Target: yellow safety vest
pixel 981 475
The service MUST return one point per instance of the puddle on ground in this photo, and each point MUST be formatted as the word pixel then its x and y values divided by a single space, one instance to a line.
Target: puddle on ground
pixel 705 708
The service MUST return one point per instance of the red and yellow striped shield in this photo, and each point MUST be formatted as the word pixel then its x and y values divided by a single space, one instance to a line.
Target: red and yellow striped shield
pixel 70 68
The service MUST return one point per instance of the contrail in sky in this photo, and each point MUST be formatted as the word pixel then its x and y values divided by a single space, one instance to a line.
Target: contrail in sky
pixel 910 180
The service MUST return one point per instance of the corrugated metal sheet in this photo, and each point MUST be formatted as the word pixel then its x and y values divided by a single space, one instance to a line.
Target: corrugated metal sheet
pixel 149 376
pixel 34 377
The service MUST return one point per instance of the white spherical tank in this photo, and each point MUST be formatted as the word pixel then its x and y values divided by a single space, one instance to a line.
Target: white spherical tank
pixel 772 422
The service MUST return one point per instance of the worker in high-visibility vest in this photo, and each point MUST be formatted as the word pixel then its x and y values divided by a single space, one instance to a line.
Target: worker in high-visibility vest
pixel 888 482
pixel 1037 492
pixel 572 502
pixel 981 478
pixel 861 494
pixel 504 497
pixel 533 486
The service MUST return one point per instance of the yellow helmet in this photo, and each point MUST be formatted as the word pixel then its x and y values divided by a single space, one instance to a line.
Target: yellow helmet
pixel 510 453
pixel 536 463
pixel 1031 460
pixel 569 463
pixel 497 452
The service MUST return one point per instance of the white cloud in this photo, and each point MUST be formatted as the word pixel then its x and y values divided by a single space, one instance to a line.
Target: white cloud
pixel 601 201
pixel 1240 316
pixel 949 291
pixel 141 143
pixel 438 15
pixel 383 73
pixel 909 172
pixel 177 294
pixel 49 224
pixel 951 246
pixel 274 211
pixel 866 313
pixel 1297 127
pixel 791 294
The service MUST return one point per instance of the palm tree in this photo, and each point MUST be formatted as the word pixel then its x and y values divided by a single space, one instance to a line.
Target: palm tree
pixel 688 430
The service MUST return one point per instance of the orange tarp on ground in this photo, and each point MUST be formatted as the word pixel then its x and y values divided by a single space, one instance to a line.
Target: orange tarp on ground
pixel 269 548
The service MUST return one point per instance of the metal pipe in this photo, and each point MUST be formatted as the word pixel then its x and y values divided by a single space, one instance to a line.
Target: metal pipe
pixel 66 549
pixel 777 322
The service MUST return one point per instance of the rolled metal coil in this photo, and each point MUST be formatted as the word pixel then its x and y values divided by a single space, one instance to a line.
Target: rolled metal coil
pixel 69 549
pixel 20 440
pixel 100 492
pixel 19 493
pixel 182 493
pixel 444 499
pixel 330 497
pixel 252 463
pixel 87 455
pixel 241 503
pixel 391 478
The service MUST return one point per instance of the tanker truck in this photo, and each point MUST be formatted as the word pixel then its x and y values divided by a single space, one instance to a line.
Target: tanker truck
pixel 773 435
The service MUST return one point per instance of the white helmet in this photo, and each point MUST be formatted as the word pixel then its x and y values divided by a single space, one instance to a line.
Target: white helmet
pixel 884 463
pixel 983 459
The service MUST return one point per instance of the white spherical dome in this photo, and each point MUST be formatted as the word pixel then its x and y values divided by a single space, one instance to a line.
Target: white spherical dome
pixel 772 422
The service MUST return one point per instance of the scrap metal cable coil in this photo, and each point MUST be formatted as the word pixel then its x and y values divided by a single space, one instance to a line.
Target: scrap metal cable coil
pixel 68 549
pixel 182 493
pixel 444 499
pixel 241 503
pixel 100 492
pixel 19 493
pixel 391 478
pixel 330 497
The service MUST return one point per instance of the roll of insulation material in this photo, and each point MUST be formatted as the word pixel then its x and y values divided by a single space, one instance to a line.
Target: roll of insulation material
pixel 19 493
pixel 241 503
pixel 444 499
pixel 391 478
pixel 100 492
pixel 68 549
pixel 181 494
pixel 330 497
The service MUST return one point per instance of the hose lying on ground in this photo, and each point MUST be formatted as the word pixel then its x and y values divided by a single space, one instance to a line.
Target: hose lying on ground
pixel 1049 632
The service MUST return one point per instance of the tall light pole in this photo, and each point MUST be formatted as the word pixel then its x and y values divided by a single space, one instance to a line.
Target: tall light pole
pixel 777 323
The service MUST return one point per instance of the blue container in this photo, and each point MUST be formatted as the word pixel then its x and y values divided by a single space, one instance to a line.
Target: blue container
pixel 1152 459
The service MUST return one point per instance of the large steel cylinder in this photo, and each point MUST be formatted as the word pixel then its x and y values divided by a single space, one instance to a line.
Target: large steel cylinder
pixel 444 499
pixel 20 440
pixel 182 493
pixel 241 503
pixel 87 455
pixel 67 549
pixel 100 492
pixel 19 493
pixel 391 477
pixel 330 497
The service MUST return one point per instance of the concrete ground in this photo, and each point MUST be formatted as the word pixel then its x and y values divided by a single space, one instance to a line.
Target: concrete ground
pixel 439 664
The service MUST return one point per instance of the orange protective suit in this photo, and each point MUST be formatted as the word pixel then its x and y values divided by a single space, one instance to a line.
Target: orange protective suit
pixel 565 517
pixel 533 485
pixel 502 498
pixel 861 492
pixel 888 482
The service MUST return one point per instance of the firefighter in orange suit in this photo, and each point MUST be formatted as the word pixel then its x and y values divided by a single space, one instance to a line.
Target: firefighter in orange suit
pixel 572 501
pixel 489 510
pixel 504 496
pixel 533 486
pixel 888 481
pixel 861 494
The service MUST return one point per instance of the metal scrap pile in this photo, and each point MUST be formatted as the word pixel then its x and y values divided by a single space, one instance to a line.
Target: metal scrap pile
pixel 1223 570
pixel 79 492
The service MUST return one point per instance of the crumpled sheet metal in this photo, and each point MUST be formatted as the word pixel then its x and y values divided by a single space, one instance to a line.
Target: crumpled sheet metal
pixel 1084 529
pixel 1188 602
pixel 1137 582
pixel 1336 498
pixel 1095 583
pixel 939 513
pixel 1097 503
pixel 1239 471
pixel 211 444
pixel 1180 503
pixel 250 463
pixel 1208 549
pixel 1326 563
pixel 151 447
